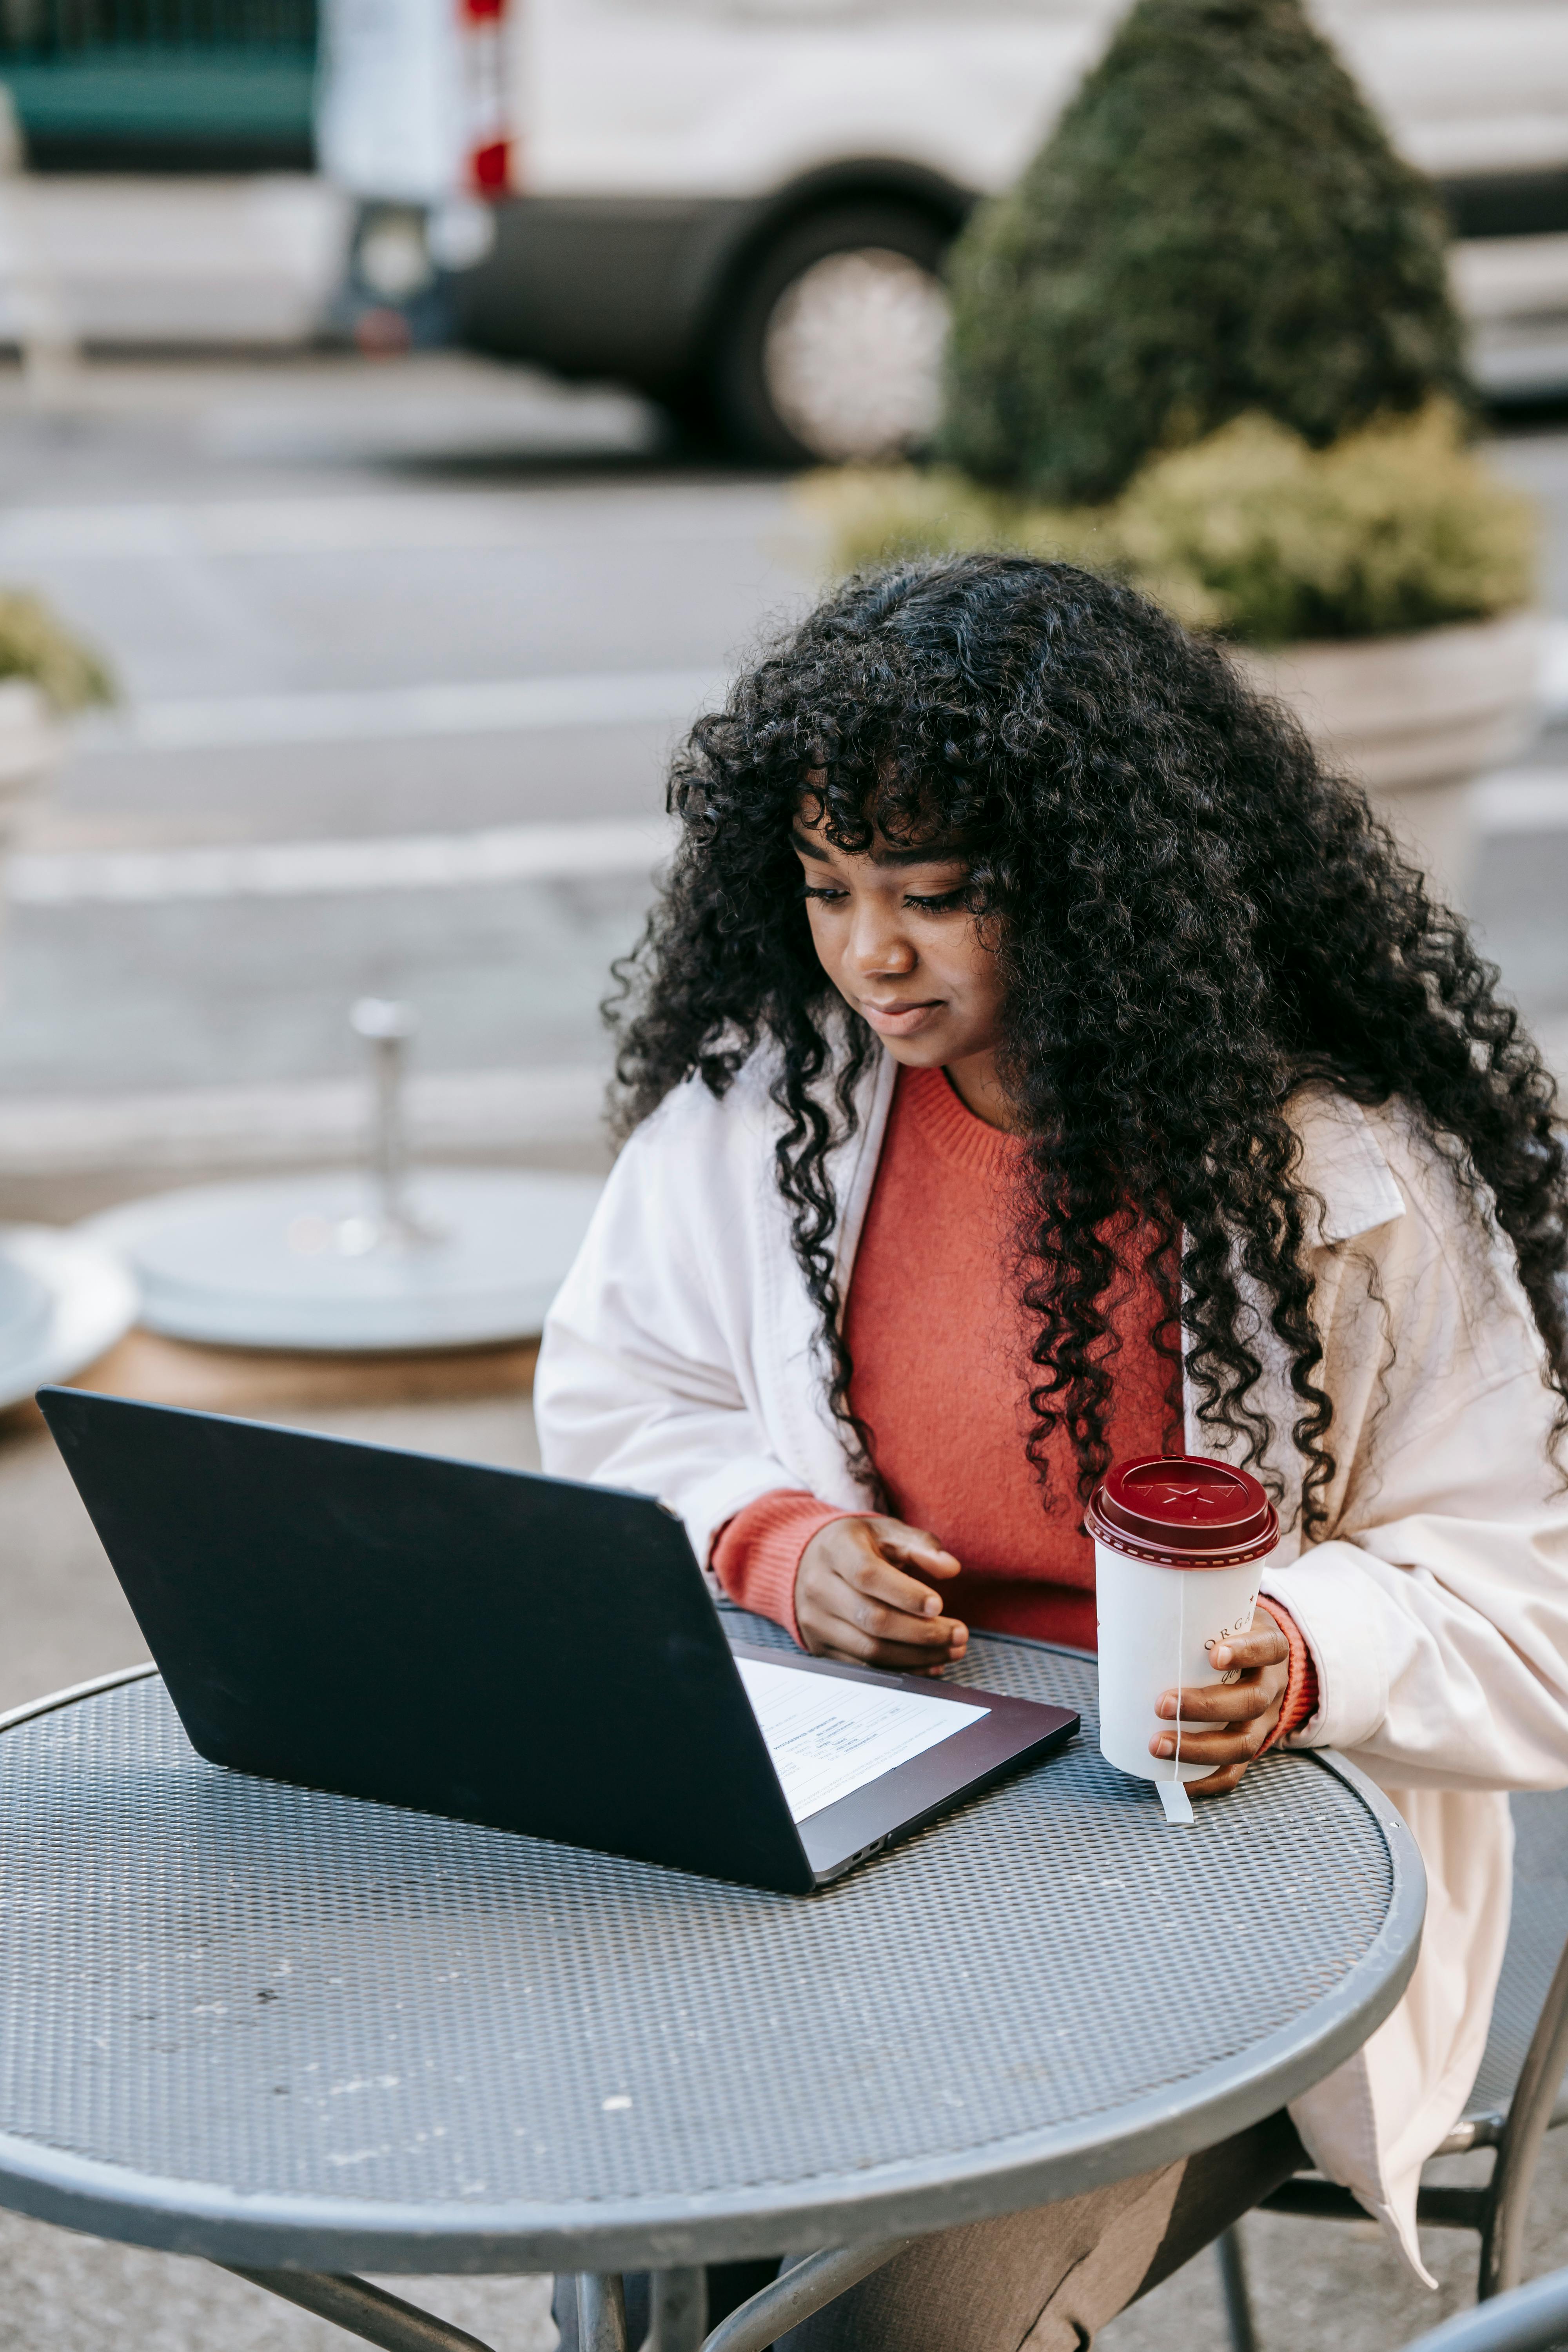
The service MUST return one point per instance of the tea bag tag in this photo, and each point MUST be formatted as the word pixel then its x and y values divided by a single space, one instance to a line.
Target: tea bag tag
pixel 1177 1803
pixel 1173 1795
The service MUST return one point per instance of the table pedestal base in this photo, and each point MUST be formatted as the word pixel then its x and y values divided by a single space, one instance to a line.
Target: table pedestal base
pixel 679 2305
pixel 366 2311
pixel 803 2288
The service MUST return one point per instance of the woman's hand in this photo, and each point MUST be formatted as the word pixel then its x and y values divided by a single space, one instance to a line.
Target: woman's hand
pixel 1247 1704
pixel 854 1600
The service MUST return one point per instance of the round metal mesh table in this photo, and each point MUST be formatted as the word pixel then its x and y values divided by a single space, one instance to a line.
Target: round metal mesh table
pixel 269 2026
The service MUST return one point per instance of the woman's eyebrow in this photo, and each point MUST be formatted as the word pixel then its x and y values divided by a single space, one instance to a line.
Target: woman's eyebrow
pixel 927 856
pixel 885 854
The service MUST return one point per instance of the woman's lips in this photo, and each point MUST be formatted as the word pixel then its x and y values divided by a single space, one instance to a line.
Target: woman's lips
pixel 898 1020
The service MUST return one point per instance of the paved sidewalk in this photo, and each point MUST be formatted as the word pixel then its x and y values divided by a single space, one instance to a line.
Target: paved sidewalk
pixel 59 2292
pixel 195 259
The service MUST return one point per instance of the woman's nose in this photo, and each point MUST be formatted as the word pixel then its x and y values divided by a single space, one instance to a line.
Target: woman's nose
pixel 877 945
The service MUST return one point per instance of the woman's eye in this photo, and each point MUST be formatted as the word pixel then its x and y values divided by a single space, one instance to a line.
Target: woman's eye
pixel 827 897
pixel 944 905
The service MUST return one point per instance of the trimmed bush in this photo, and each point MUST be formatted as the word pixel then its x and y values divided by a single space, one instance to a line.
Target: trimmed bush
pixel 1250 535
pixel 1218 225
pixel 34 645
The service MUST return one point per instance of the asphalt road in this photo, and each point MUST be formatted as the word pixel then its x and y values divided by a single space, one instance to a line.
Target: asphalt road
pixel 403 650
pixel 351 605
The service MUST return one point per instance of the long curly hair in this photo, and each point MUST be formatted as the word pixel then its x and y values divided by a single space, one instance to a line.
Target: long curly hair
pixel 1194 917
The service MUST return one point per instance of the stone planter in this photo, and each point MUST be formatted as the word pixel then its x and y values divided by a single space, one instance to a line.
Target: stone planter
pixel 32 742
pixel 1417 720
pixel 32 745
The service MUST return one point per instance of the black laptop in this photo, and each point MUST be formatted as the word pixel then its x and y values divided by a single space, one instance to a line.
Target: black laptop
pixel 505 1648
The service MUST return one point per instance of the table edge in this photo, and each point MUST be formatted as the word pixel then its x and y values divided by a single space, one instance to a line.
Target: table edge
pixel 263 2231
pixel 31 1707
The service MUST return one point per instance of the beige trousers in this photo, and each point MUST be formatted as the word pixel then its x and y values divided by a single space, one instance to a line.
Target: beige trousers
pixel 1045 2280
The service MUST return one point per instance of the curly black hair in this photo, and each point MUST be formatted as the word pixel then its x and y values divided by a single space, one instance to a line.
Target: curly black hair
pixel 1193 917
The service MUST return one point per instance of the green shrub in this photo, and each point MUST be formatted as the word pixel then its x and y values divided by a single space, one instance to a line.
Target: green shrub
pixel 1394 529
pixel 1250 535
pixel 871 515
pixel 1218 225
pixel 35 646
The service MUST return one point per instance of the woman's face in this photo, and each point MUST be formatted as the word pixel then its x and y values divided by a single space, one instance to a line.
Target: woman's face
pixel 899 943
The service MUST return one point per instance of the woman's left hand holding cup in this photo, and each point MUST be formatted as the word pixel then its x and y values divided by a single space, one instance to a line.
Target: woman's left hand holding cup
pixel 1244 1708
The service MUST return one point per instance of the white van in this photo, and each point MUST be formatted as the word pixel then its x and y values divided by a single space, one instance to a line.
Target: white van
pixel 741 207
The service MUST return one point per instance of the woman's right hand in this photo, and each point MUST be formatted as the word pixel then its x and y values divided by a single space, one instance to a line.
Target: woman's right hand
pixel 854 1600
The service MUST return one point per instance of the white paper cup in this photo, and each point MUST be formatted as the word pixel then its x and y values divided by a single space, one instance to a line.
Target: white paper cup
pixel 1155 1626
pixel 1180 1548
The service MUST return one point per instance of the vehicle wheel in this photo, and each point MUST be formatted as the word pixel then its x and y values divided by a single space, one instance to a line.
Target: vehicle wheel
pixel 831 349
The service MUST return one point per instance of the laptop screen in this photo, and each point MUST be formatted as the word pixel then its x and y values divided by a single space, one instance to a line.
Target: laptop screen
pixel 828 1737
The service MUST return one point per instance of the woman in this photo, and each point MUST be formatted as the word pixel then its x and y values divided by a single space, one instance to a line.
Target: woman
pixel 1037 1057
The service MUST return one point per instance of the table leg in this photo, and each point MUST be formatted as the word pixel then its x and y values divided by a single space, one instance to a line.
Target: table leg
pixel 366 2311
pixel 601 2312
pixel 679 2306
pixel 677 2314
pixel 804 2288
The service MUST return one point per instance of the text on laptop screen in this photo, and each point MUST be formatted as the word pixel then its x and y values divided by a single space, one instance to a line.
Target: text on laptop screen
pixel 828 1737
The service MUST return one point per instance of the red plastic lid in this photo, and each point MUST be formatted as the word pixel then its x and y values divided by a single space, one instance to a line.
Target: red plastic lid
pixel 1186 1512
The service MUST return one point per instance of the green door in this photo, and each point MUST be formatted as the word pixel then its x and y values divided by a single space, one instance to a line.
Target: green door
pixel 162 85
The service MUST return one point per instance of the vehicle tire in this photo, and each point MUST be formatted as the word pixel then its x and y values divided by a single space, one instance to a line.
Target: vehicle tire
pixel 829 346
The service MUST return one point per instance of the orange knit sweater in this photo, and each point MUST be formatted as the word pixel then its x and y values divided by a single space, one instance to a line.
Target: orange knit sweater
pixel 940 1349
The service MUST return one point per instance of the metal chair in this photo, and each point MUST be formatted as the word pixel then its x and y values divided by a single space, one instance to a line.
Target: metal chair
pixel 1518 2098
pixel 1532 2318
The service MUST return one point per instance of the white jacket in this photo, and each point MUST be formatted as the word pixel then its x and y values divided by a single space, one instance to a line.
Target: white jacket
pixel 680 1358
